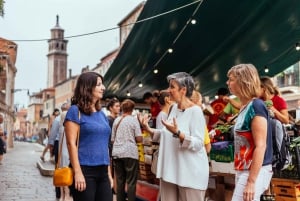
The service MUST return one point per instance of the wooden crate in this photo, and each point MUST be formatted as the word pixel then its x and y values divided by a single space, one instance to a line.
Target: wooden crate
pixel 144 166
pixel 147 177
pixel 146 172
pixel 286 189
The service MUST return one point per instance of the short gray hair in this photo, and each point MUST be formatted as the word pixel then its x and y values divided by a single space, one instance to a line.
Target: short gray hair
pixel 184 80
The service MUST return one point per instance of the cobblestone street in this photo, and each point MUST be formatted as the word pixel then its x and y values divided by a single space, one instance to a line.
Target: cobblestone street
pixel 20 179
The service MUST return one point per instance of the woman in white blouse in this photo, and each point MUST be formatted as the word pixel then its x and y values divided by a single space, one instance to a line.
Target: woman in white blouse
pixel 182 163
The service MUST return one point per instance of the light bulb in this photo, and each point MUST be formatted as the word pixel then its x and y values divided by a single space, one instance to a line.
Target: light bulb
pixel 193 21
pixel 155 71
pixel 297 46
pixel 170 50
pixel 266 69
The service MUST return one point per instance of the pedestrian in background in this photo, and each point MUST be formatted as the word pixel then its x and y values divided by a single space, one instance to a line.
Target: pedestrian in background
pixel 182 164
pixel 64 160
pixel 152 100
pixel 53 142
pixel 49 146
pixel 126 133
pixel 197 99
pixel 278 106
pixel 2 145
pixel 165 103
pixel 253 150
pixel 113 107
pixel 90 160
pixel 218 106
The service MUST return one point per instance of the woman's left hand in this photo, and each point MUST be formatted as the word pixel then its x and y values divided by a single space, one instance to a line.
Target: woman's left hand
pixel 249 191
pixel 172 127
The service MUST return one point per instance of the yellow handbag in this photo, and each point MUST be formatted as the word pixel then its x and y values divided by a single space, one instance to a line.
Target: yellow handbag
pixel 63 176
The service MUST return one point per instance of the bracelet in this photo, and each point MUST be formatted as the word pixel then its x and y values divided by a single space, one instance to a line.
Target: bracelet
pixel 177 134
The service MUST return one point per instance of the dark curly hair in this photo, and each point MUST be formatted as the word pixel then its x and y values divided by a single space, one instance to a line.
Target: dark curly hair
pixel 83 93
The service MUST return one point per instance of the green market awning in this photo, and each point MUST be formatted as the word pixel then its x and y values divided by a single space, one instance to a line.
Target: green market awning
pixel 262 32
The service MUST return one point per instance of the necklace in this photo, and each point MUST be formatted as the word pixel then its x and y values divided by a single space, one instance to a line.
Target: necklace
pixel 179 112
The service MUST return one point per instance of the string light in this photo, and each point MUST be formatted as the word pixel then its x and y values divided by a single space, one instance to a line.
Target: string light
pixel 140 84
pixel 193 21
pixel 155 71
pixel 170 50
pixel 118 27
pixel 297 46
pixel 266 69
pixel 128 93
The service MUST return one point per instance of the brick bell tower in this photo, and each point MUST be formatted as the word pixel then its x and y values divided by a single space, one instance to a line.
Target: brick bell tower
pixel 57 56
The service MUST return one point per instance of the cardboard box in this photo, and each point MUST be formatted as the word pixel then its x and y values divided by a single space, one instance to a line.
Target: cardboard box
pixel 222 167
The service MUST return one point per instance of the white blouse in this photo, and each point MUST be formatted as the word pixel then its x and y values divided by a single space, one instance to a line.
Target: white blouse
pixel 186 163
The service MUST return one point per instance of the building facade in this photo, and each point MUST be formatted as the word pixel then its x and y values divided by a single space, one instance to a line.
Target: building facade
pixel 8 70
pixel 57 56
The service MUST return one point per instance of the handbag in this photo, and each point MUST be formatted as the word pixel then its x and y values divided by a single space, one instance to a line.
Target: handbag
pixel 63 176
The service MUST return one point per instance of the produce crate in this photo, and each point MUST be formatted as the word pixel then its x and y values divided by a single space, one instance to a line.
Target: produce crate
pixel 286 189
pixel 144 166
pixel 222 152
pixel 149 178
pixel 145 172
pixel 141 152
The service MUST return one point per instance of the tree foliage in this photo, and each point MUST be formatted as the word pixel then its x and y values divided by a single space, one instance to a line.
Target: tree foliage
pixel 2 7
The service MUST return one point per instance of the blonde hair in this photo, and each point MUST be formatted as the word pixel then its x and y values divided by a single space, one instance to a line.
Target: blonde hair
pixel 196 97
pixel 247 78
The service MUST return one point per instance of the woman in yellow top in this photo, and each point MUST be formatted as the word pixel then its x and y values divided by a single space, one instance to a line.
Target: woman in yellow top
pixel 197 99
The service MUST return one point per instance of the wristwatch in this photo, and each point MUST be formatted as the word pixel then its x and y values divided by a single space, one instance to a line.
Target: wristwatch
pixel 176 135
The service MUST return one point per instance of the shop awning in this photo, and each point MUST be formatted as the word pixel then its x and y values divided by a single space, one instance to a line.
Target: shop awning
pixel 226 33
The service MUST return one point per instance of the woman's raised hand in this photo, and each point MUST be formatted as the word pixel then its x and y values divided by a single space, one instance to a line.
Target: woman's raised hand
pixel 172 127
pixel 144 120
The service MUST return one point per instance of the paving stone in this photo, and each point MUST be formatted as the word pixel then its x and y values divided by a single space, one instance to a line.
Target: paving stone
pixel 20 178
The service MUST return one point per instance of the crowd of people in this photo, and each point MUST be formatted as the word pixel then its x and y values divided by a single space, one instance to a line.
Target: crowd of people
pixel 102 147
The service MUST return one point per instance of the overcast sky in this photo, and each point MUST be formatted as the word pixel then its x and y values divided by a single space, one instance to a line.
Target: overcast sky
pixel 33 19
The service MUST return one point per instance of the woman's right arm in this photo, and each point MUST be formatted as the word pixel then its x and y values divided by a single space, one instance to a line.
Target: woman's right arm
pixel 71 130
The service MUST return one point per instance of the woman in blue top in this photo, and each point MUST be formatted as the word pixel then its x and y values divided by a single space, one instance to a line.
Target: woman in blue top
pixel 90 162
pixel 253 149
